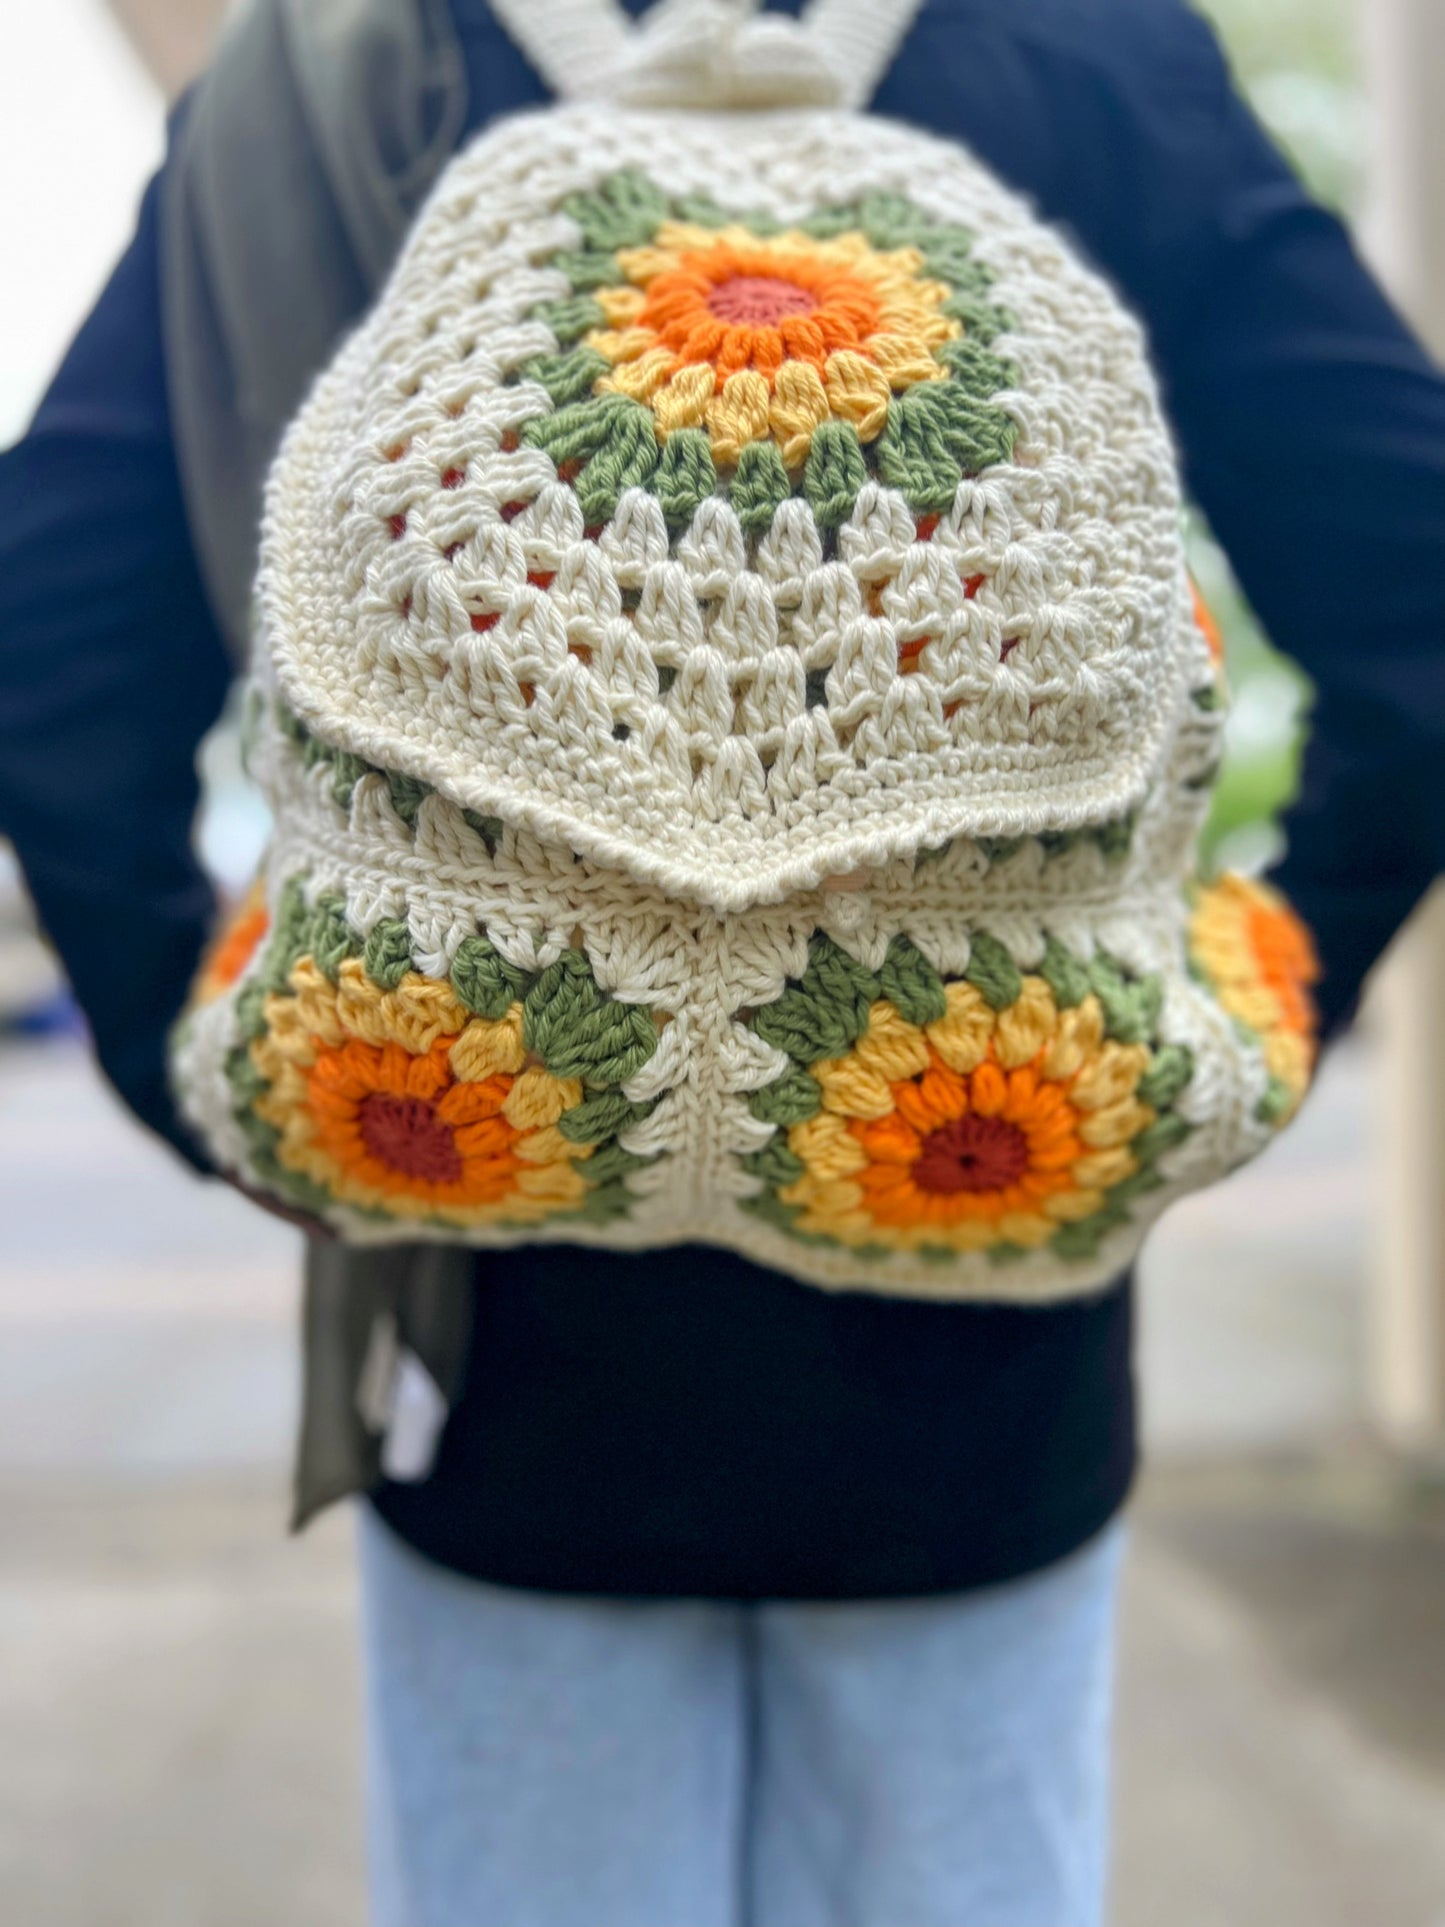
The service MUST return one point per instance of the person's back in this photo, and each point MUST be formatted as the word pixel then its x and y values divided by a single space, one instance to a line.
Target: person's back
pixel 686 1424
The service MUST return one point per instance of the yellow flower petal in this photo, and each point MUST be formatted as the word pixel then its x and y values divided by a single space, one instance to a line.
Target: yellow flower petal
pixel 845 1228
pixel 1110 1075
pixel 1290 1058
pixel 683 403
pixel 828 1198
pixel 675 238
pixel 738 415
pixel 827 1146
pixel 962 1035
pixel 1101 1170
pixel 969 1234
pixel 1115 1124
pixel 641 265
pixel 622 344
pixel 1026 1228
pixel 935 329
pixel 558 1184
pixel 891 1046
pixel 621 306
pixel 548 1146
pixel 850 250
pixel 640 379
pixel 799 406
pixel 315 1000
pixel 537 1099
pixel 851 1089
pixel 858 392
pixel 414 1015
pixel 284 1104
pixel 1080 1032
pixel 289 1034
pixel 487 1047
pixel 899 264
pixel 903 360
pixel 1253 1004
pixel 1072 1207
pixel 1029 1023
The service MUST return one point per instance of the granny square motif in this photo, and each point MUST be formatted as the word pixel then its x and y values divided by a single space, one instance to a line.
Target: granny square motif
pixel 737 723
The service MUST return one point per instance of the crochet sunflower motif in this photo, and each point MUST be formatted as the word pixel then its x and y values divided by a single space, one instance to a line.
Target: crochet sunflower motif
pixel 671 581
pixel 488 1098
pixel 1259 960
pixel 702 350
pixel 1001 1112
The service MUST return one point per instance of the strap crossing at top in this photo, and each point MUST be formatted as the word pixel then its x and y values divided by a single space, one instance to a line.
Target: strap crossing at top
pixel 710 53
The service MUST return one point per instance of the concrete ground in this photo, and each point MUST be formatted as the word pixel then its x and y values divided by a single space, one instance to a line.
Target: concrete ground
pixel 178 1691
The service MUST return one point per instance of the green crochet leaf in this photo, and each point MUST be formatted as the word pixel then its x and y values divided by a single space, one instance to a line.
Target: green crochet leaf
pixel 685 475
pixel 793 1099
pixel 567 377
pixel 911 984
pixel 587 269
pixel 330 938
pixel 612 435
pixel 571 318
pixel 577 1031
pixel 760 486
pixel 826 1012
pixel 834 473
pixel 936 433
pixel 386 954
pixel 625 211
pixel 992 971
pixel 484 981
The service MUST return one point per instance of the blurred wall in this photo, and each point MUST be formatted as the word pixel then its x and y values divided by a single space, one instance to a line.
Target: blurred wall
pixel 172 37
pixel 80 126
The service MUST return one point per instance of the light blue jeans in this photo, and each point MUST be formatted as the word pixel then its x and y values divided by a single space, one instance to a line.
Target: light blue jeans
pixel 542 1761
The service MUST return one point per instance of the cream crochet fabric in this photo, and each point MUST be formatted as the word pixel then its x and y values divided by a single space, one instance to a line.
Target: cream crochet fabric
pixel 737 723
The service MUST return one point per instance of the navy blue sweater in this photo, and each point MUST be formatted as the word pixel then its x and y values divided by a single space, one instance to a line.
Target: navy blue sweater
pixel 747 1435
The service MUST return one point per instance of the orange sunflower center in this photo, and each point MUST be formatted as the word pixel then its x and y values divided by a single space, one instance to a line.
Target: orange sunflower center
pixel 971 1153
pixel 975 1146
pixel 406 1134
pixel 737 310
pixel 404 1125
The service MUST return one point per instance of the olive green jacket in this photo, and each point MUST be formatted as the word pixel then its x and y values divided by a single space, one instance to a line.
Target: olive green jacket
pixel 296 166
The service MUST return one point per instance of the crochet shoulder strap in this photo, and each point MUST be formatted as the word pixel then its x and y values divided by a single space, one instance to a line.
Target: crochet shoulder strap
pixel 710 53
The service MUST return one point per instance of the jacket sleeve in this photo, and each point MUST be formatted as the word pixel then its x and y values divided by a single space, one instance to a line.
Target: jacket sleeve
pixel 111 670
pixel 1312 428
pixel 1310 421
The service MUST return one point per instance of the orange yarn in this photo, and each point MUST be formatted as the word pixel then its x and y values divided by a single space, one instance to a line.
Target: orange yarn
pixel 1024 1132
pixel 1284 954
pixel 687 308
pixel 447 1142
pixel 1204 616
pixel 234 947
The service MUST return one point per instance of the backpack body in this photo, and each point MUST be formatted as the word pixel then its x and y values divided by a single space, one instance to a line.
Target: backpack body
pixel 737 724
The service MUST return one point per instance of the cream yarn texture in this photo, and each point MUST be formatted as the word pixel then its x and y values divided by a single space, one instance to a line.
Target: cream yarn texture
pixel 801 863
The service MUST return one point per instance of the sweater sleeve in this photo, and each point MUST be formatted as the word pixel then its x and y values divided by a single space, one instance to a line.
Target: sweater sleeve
pixel 111 670
pixel 1312 429
pixel 1311 423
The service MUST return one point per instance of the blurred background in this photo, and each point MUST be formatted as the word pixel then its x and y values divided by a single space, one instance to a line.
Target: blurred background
pixel 178 1697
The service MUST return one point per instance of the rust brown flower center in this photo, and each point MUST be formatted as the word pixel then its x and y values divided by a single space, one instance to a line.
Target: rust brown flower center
pixel 406 1134
pixel 972 1154
pixel 758 300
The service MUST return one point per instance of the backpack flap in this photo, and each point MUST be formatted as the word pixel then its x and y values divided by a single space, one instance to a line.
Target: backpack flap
pixel 736 516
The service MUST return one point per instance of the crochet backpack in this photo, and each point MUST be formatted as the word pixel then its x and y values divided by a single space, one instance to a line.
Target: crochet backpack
pixel 735 714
